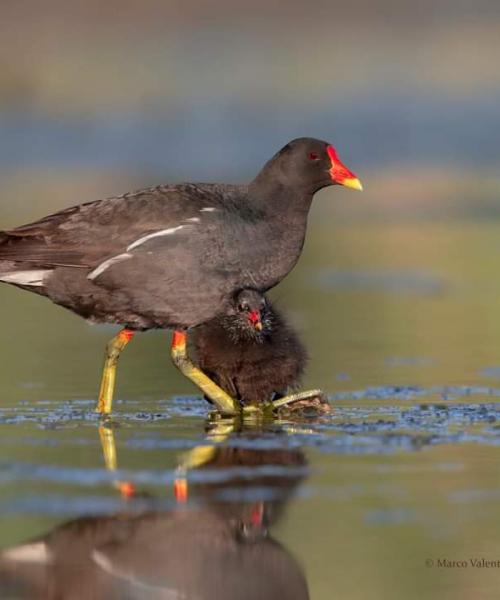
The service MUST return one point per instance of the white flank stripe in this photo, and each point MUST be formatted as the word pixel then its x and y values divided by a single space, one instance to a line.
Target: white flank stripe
pixel 34 278
pixel 102 561
pixel 29 553
pixel 150 236
pixel 193 219
pixel 107 263
pixel 207 209
pixel 149 590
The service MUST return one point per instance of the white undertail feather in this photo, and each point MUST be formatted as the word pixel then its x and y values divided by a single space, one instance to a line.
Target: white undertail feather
pixel 35 553
pixel 33 278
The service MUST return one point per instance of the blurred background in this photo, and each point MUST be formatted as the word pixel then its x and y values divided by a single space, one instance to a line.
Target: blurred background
pixel 97 99
pixel 104 96
pixel 396 286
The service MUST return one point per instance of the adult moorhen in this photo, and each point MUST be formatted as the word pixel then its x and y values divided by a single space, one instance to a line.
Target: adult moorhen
pixel 172 255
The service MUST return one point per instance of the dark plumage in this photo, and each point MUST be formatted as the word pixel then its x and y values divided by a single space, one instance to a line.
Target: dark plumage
pixel 172 255
pixel 250 350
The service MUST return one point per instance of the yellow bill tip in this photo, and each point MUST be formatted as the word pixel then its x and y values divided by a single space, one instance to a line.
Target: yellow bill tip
pixel 353 182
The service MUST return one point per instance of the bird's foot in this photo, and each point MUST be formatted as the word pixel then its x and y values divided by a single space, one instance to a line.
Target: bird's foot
pixel 291 398
pixel 310 403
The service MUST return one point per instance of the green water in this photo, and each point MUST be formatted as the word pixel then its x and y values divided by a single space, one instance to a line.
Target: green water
pixel 359 501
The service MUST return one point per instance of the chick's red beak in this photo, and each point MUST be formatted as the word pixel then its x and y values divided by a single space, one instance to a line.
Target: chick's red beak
pixel 254 318
pixel 340 174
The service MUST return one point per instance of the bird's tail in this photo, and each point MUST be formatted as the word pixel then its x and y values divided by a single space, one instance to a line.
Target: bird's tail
pixel 15 271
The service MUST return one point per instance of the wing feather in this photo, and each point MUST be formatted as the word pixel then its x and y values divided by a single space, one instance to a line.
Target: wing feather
pixel 86 235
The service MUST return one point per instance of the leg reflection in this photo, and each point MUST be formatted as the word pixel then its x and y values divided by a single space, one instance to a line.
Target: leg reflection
pixel 219 547
pixel 107 437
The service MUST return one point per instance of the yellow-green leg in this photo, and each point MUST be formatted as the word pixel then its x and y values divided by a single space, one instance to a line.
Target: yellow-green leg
pixel 224 403
pixel 113 351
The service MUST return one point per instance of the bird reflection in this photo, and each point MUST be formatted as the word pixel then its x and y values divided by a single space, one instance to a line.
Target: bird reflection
pixel 217 547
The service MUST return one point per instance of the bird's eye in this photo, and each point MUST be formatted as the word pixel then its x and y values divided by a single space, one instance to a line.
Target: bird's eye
pixel 313 156
pixel 243 307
